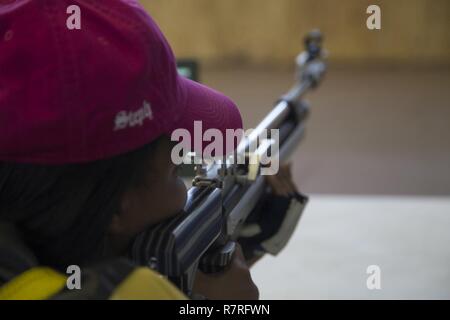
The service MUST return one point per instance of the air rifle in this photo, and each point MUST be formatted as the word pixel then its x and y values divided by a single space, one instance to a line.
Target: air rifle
pixel 222 205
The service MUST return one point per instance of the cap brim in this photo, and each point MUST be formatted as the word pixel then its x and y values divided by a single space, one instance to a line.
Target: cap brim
pixel 212 110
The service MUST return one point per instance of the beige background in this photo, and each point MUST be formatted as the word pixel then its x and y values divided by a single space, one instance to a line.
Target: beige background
pixel 380 127
pixel 375 160
pixel 269 31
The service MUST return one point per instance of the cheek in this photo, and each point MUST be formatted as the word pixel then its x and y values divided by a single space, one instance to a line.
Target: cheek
pixel 165 201
pixel 179 192
pixel 155 205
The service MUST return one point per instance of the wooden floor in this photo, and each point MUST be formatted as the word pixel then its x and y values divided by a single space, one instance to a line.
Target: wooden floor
pixel 378 131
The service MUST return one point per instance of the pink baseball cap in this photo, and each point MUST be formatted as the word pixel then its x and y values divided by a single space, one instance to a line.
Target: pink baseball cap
pixel 80 95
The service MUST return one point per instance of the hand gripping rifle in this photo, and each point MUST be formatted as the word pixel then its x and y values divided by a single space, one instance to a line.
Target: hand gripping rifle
pixel 224 204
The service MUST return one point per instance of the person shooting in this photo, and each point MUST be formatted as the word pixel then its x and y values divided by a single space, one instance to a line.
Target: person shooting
pixel 86 118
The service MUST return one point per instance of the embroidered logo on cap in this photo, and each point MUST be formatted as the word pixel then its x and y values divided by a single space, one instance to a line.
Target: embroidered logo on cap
pixel 130 119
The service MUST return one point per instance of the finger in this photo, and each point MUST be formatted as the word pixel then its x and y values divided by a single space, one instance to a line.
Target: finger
pixel 278 188
pixel 286 175
pixel 273 184
pixel 281 180
pixel 239 263
pixel 238 252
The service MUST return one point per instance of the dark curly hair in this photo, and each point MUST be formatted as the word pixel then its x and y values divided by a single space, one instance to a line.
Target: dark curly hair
pixel 63 212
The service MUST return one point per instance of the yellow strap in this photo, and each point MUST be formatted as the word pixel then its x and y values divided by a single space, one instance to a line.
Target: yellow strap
pixel 42 283
pixel 145 284
pixel 35 284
